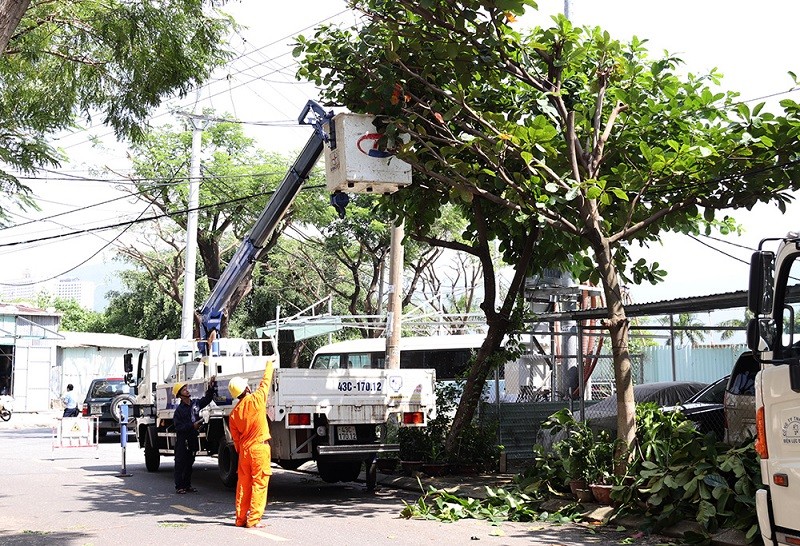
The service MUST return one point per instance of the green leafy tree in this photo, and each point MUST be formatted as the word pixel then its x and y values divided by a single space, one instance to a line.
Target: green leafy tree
pixel 74 317
pixel 561 128
pixel 141 309
pixel 237 181
pixel 685 328
pixel 64 61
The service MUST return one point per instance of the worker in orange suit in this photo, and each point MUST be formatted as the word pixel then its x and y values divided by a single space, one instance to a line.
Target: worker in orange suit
pixel 250 433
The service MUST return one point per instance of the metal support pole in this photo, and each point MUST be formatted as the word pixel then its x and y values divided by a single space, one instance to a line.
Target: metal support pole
pixel 581 382
pixel 394 312
pixel 123 439
pixel 190 267
pixel 672 343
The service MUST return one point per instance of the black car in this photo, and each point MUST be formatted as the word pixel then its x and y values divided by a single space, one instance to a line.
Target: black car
pixel 603 415
pixel 706 409
pixel 102 394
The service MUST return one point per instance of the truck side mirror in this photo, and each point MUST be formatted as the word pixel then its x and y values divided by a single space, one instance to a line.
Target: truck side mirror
pixel 127 362
pixel 761 334
pixel 760 292
pixel 794 376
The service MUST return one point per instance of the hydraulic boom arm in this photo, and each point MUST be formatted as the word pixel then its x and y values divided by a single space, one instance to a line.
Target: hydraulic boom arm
pixel 242 262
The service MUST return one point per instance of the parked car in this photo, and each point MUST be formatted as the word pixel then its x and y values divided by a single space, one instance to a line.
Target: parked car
pixel 104 393
pixel 706 408
pixel 603 415
pixel 740 400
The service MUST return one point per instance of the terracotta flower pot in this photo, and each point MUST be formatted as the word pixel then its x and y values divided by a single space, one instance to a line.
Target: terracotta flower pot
pixel 602 493
pixel 409 467
pixel 581 491
pixel 435 468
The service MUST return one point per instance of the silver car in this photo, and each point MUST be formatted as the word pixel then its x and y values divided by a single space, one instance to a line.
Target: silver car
pixel 740 400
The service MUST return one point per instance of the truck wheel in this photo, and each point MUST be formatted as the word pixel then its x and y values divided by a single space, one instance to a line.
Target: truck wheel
pixel 349 471
pixel 291 464
pixel 152 458
pixel 228 461
pixel 338 471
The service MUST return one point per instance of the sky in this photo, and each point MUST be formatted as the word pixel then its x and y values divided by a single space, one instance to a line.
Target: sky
pixel 752 44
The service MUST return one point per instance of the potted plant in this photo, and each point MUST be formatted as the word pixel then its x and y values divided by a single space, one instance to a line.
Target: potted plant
pixel 573 450
pixel 600 461
pixel 476 450
pixel 413 443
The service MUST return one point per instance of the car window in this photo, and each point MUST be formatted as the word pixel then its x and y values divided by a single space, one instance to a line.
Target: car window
pixel 714 394
pixel 743 377
pixel 108 389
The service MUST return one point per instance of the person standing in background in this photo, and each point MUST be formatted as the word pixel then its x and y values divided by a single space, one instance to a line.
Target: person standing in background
pixel 70 404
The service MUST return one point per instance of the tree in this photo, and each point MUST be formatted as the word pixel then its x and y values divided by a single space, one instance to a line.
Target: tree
pixel 74 317
pixel 63 61
pixel 142 310
pixel 685 326
pixel 237 180
pixel 559 127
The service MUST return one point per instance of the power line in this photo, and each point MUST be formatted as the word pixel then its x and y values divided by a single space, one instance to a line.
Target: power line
pixel 140 220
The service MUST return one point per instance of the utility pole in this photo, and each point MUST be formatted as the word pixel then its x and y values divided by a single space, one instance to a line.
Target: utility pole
pixel 394 314
pixel 199 123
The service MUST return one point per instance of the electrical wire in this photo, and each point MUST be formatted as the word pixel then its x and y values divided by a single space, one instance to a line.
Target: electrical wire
pixel 140 220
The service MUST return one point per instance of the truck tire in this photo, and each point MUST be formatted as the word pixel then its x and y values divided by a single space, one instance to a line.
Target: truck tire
pixel 228 461
pixel 152 458
pixel 338 471
pixel 291 464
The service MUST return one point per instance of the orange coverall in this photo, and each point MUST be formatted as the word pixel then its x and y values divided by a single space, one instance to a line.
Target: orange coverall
pixel 250 433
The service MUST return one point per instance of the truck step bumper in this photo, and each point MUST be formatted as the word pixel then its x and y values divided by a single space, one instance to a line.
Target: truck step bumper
pixel 762 510
pixel 361 449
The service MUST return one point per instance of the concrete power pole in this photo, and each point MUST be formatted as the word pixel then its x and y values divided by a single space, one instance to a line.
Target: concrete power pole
pixel 394 314
pixel 189 282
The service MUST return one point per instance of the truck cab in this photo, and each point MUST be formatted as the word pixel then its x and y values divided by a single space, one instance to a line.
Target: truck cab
pixel 774 337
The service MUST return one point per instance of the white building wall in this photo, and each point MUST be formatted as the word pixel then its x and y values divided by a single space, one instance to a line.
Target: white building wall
pixel 79 365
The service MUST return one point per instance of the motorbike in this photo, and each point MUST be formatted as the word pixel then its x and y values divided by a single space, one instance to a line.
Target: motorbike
pixel 6 402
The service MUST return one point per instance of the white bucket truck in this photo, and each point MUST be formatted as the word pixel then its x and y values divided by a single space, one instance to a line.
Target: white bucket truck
pixel 336 417
pixel 774 337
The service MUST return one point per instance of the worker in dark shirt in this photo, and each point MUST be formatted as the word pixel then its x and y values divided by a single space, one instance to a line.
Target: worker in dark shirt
pixel 187 422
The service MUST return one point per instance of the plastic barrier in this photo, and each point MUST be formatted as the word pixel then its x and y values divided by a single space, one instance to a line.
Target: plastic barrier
pixel 76 432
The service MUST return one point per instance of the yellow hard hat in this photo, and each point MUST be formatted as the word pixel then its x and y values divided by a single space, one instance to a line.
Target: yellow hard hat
pixel 176 388
pixel 236 386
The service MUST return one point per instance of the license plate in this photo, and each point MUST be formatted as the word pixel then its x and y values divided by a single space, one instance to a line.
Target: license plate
pixel 345 433
pixel 97 408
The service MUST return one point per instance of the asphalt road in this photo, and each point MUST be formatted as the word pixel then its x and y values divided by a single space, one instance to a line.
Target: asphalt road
pixel 78 496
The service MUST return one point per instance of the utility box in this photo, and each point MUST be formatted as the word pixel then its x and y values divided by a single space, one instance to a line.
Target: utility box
pixel 354 164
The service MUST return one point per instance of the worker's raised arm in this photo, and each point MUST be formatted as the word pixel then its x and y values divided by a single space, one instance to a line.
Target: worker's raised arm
pixel 266 380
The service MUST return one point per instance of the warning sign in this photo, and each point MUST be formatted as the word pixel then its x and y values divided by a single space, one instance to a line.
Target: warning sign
pixel 75 432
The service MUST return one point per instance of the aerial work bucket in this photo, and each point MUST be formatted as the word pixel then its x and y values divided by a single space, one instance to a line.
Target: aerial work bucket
pixel 355 164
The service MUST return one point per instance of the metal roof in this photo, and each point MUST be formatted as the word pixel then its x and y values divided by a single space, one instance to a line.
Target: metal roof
pixel 712 302
pixel 89 339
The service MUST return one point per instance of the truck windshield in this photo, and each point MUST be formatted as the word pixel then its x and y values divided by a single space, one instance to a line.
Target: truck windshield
pixel 790 320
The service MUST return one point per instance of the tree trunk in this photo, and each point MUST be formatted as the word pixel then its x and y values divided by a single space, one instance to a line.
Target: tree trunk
pixel 11 12
pixel 499 323
pixel 618 326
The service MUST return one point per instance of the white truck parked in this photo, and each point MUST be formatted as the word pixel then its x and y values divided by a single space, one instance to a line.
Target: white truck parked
pixel 338 418
pixel 774 337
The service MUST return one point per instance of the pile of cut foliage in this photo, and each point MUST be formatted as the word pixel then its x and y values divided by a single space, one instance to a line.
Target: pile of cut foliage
pixel 675 474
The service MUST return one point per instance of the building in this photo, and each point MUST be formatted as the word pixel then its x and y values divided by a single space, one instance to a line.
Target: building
pixel 27 355
pixel 76 290
pixel 25 289
pixel 83 356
